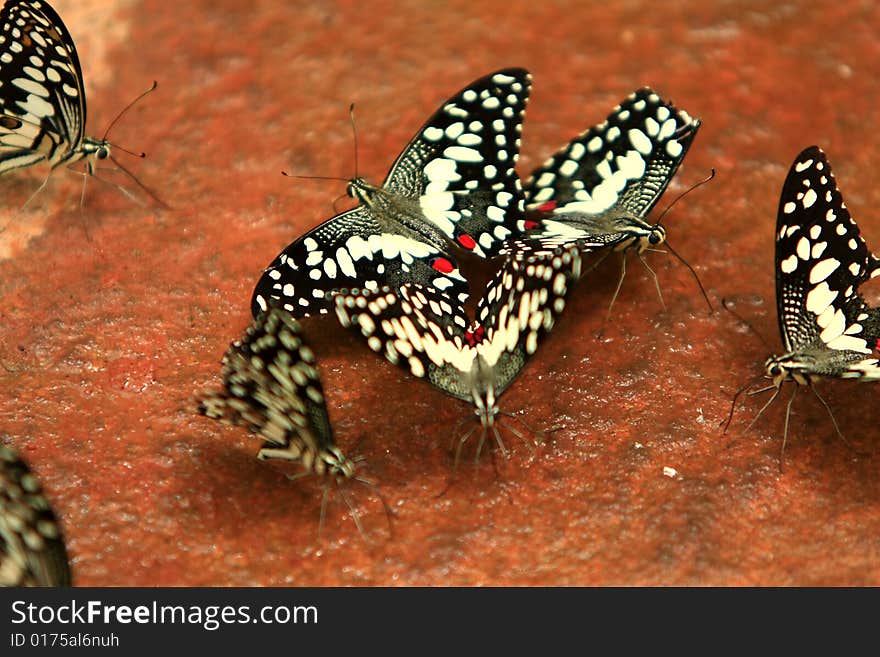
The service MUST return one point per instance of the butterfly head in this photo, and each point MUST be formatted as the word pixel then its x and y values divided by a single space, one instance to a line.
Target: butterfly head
pixel 483 393
pixel 333 462
pixel 789 367
pixel 360 190
pixel 654 237
pixel 93 150
pixel 638 233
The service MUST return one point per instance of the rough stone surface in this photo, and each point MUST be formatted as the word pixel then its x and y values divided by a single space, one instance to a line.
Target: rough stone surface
pixel 115 315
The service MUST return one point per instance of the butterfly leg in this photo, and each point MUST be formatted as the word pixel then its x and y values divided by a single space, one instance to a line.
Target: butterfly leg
pixel 499 442
pixel 619 285
pixel 764 407
pixel 518 434
pixel 354 514
pixel 654 275
pixel 787 417
pixel 834 422
pixel 39 189
pixel 726 423
pixel 461 442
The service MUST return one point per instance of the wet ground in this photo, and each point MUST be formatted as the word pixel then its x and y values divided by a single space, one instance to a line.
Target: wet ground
pixel 115 315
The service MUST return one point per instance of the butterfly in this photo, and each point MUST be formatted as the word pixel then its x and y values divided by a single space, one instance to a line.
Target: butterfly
pixel 428 333
pixel 600 186
pixel 454 182
pixel 272 387
pixel 827 329
pixel 32 551
pixel 42 99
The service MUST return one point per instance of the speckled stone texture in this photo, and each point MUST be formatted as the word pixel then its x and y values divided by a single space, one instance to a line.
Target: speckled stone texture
pixel 115 315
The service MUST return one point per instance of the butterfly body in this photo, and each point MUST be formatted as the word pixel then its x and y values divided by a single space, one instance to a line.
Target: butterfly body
pixel 454 184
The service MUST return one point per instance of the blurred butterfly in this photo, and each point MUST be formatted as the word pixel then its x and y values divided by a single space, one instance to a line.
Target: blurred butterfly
pixel 271 386
pixel 32 551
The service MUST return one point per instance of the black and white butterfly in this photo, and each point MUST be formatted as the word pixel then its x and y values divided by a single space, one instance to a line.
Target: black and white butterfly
pixel 454 182
pixel 828 331
pixel 272 387
pixel 32 551
pixel 42 98
pixel 601 185
pixel 429 334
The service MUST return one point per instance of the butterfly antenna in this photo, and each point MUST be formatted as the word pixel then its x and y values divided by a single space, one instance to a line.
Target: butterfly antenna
pixel 124 110
pixel 354 134
pixel 683 194
pixel 834 422
pixel 729 308
pixel 336 178
pixel 656 280
pixel 692 271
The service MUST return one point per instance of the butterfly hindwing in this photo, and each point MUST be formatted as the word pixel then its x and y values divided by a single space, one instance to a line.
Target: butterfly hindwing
pixel 271 386
pixel 32 551
pixel 42 99
pixel 820 262
pixel 615 171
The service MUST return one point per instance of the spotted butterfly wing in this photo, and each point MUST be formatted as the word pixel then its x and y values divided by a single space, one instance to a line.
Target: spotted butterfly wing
pixel 454 182
pixel 42 100
pixel 821 260
pixel 32 551
pixel 601 185
pixel 271 386
pixel 427 333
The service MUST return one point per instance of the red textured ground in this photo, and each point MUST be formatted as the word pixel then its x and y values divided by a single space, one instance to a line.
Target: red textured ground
pixel 115 316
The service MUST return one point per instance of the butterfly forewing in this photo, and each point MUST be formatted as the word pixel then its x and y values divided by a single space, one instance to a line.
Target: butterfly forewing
pixel 271 386
pixel 820 262
pixel 41 98
pixel 461 163
pixel 32 551
pixel 616 169
pixel 351 250
pixel 455 181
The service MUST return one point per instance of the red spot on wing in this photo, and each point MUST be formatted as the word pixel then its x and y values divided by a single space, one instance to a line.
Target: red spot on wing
pixel 549 206
pixel 528 224
pixel 475 335
pixel 443 265
pixel 467 241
